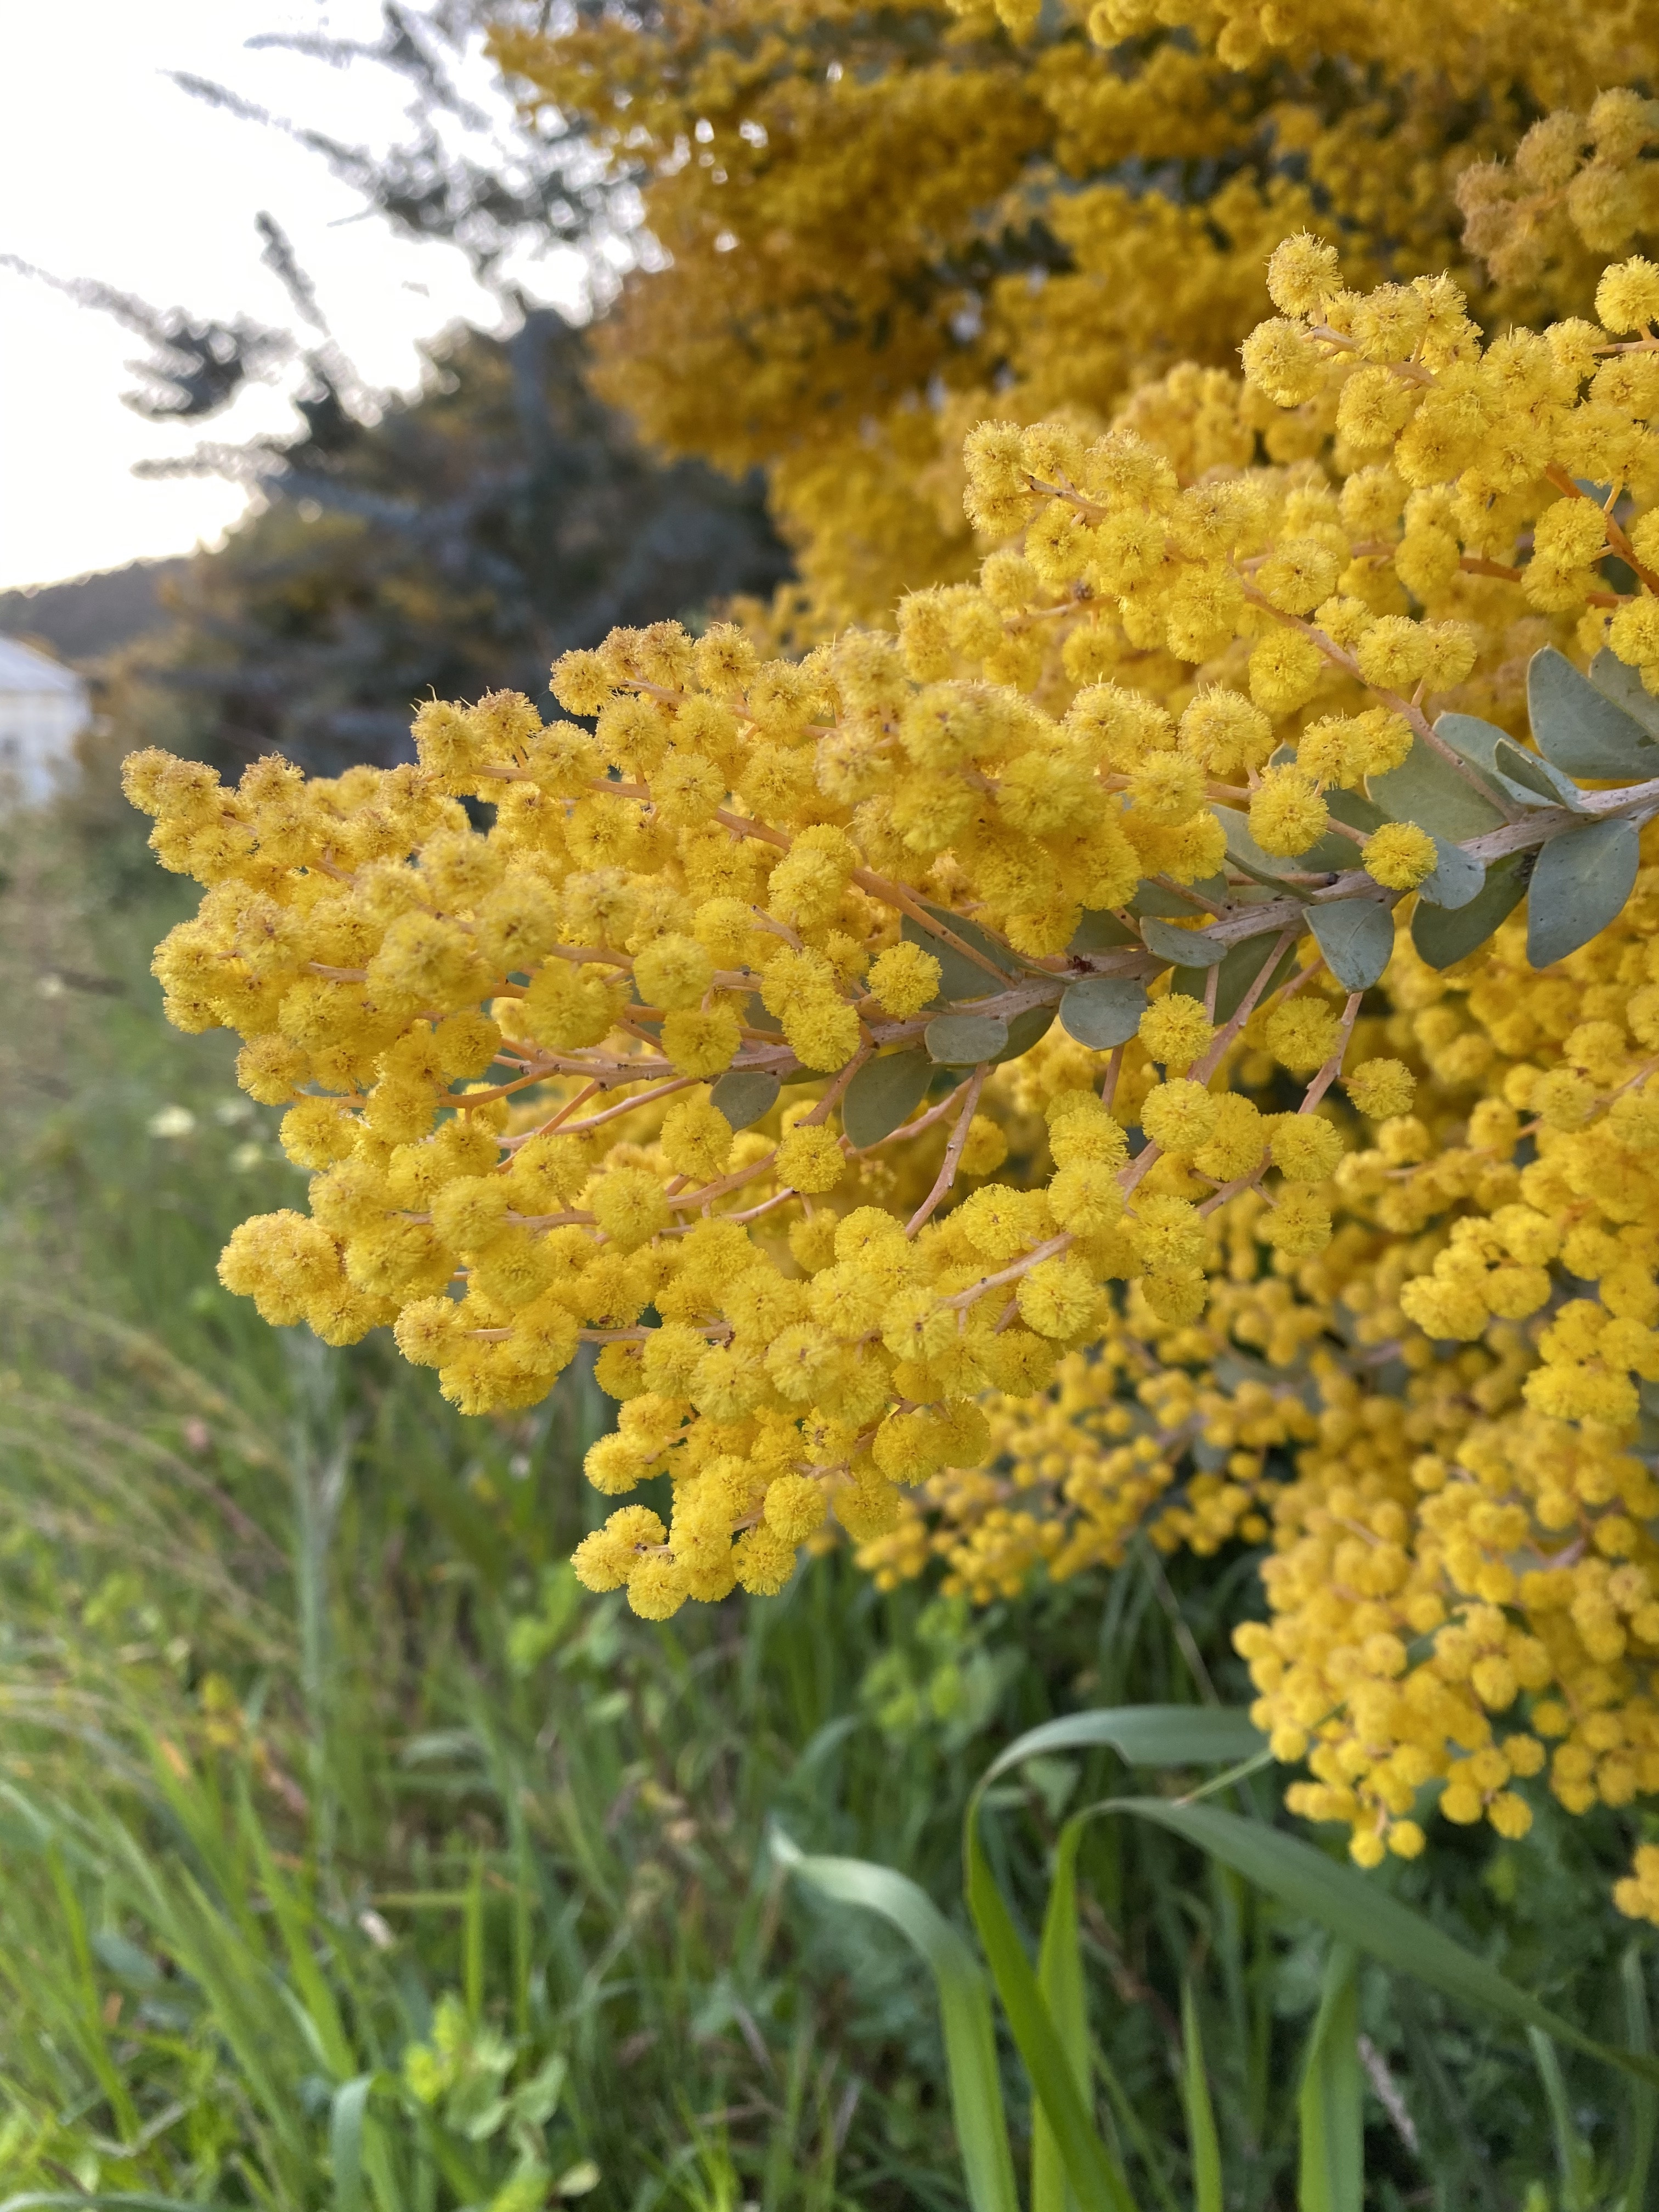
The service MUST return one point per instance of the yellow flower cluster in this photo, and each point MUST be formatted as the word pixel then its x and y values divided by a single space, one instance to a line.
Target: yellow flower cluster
pixel 1163 1040
pixel 878 226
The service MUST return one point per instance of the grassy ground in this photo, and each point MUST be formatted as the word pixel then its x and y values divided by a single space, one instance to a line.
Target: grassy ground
pixel 354 1857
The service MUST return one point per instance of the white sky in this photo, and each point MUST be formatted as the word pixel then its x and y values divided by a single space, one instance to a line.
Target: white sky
pixel 107 170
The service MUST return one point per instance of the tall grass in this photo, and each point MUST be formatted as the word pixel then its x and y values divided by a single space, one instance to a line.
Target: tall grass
pixel 353 1857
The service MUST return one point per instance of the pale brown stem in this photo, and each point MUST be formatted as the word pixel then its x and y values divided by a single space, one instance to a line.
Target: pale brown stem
pixel 1327 1074
pixel 947 1174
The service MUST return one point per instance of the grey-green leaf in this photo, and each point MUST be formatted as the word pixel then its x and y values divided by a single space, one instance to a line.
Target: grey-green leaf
pixel 1103 1011
pixel 1445 936
pixel 1532 779
pixel 960 977
pixel 1356 938
pixel 1580 884
pixel 884 1094
pixel 1356 810
pixel 965 1040
pixel 1240 969
pixel 1625 687
pixel 1582 728
pixel 744 1095
pixel 1101 932
pixel 1428 791
pixel 1176 905
pixel 1456 879
pixel 1471 737
pixel 1026 1029
pixel 1186 948
pixel 1328 856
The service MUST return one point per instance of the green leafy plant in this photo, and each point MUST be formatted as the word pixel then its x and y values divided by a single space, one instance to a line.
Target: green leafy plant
pixel 1075 2165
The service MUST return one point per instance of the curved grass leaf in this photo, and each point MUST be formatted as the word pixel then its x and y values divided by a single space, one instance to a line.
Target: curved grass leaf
pixel 965 2005
pixel 1579 884
pixel 1644 2099
pixel 744 1095
pixel 1173 1736
pixel 883 1093
pixel 1356 1910
pixel 1103 1011
pixel 1428 791
pixel 347 2111
pixel 1330 2105
pixel 1060 1979
pixel 1186 948
pixel 1624 686
pixel 1581 727
pixel 965 1040
pixel 1443 936
pixel 1356 938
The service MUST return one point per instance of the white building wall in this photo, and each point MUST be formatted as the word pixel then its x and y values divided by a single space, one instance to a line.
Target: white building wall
pixel 43 707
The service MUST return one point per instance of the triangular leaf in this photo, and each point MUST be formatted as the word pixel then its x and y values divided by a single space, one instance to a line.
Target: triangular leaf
pixel 1625 687
pixel 1356 938
pixel 1575 724
pixel 1445 936
pixel 1456 879
pixel 1187 948
pixel 744 1095
pixel 1428 791
pixel 1531 779
pixel 883 1095
pixel 965 1040
pixel 1580 884
pixel 1103 1011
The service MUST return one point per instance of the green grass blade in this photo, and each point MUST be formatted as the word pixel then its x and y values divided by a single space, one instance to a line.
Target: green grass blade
pixel 1202 2140
pixel 1060 1978
pixel 1572 2154
pixel 106 2200
pixel 345 2142
pixel 95 2042
pixel 308 1978
pixel 1142 1736
pixel 1356 1910
pixel 964 2006
pixel 1162 1736
pixel 1643 2099
pixel 1330 2105
pixel 1098 2181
